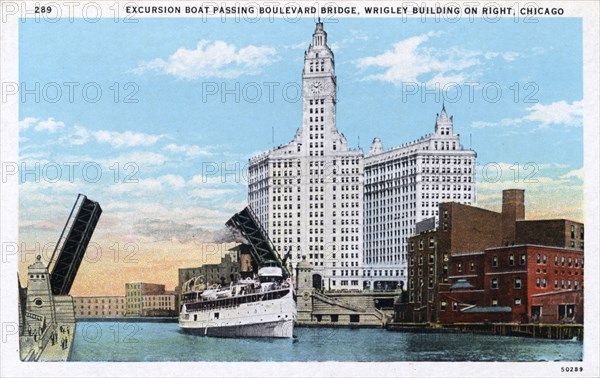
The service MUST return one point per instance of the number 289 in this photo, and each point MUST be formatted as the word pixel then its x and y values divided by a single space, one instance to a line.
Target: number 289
pixel 43 9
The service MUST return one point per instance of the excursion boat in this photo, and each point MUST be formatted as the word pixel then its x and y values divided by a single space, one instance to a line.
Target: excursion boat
pixel 262 306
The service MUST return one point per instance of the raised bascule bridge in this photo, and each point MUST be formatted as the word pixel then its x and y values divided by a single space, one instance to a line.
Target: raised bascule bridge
pixel 46 310
pixel 315 307
pixel 258 244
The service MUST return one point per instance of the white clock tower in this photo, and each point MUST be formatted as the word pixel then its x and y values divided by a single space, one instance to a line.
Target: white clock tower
pixel 308 193
pixel 319 83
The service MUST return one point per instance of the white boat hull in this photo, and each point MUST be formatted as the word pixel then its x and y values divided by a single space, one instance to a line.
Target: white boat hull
pixel 268 318
pixel 278 329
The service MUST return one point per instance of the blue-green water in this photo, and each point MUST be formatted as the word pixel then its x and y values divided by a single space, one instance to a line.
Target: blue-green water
pixel 132 341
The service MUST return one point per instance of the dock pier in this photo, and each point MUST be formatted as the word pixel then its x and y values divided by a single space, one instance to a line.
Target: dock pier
pixel 533 330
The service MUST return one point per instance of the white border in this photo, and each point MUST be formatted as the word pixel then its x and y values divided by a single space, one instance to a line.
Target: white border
pixel 10 365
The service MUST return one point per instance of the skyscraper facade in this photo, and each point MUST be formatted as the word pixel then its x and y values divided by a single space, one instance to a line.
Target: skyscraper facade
pixel 404 185
pixel 308 194
pixel 312 194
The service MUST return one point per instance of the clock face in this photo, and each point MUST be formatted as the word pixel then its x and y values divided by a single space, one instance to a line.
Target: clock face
pixel 316 87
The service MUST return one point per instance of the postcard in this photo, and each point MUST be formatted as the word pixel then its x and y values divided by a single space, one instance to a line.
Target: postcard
pixel 352 188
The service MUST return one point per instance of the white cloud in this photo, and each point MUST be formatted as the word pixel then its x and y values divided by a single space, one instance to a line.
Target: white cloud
pixel 211 193
pixel 146 158
pixel 81 136
pixel 126 138
pixel 50 125
pixel 576 174
pixel 560 113
pixel 212 59
pixel 354 36
pixel 218 178
pixel 297 46
pixel 188 150
pixel 60 186
pixel 139 188
pixel 411 61
pixel 502 123
pixel 509 56
pixel 27 122
pixel 234 206
pixel 173 181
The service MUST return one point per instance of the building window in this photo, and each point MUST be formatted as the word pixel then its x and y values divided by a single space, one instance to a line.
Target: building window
pixel 517 301
pixel 494 283
pixel 472 266
pixel 454 306
pixel 556 284
pixel 459 267
pixel 511 259
pixel 494 260
pixel 537 282
pixel 523 259
pixel 572 231
pixel 494 302
pixel 443 305
pixel 518 283
pixel 544 283
pixel 538 258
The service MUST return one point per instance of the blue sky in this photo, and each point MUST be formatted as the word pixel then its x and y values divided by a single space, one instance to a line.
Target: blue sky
pixel 171 132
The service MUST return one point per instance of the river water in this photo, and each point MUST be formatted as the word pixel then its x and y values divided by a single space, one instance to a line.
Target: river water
pixel 140 341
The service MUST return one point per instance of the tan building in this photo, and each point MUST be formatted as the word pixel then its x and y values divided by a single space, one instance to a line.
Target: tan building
pixel 223 273
pixel 98 307
pixel 135 291
pixel 160 304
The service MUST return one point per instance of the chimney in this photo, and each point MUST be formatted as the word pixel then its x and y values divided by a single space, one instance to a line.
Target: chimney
pixel 513 209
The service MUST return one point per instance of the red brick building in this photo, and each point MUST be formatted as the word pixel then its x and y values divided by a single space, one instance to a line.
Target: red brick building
pixel 452 268
pixel 521 283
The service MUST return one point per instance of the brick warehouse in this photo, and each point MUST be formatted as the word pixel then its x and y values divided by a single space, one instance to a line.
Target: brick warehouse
pixel 452 268
pixel 521 283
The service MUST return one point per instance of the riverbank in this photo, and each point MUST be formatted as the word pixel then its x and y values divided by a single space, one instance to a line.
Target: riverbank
pixel 542 331
pixel 131 319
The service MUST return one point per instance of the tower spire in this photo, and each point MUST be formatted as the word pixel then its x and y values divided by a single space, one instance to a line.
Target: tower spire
pixel 320 35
